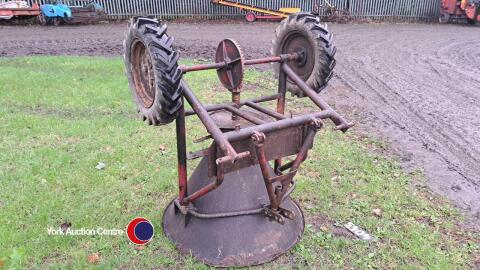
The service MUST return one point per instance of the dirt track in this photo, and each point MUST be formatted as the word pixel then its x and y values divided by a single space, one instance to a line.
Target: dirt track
pixel 418 86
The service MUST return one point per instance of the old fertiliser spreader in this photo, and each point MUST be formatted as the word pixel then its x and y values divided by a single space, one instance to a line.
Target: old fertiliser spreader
pixel 235 209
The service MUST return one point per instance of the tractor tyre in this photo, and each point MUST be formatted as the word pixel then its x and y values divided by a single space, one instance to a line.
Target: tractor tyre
pixel 152 70
pixel 56 21
pixel 444 18
pixel 250 17
pixel 303 32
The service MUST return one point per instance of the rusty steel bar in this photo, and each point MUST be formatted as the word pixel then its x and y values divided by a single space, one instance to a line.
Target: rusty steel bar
pixel 341 123
pixel 280 124
pixel 216 107
pixel 199 193
pixel 265 60
pixel 271 113
pixel 210 125
pixel 236 102
pixel 206 189
pixel 244 115
pixel 209 108
pixel 250 62
pixel 272 59
pixel 236 98
pixel 200 67
pixel 221 215
pixel 305 88
pixel 181 153
pixel 285 166
pixel 258 140
pixel 261 99
pixel 282 90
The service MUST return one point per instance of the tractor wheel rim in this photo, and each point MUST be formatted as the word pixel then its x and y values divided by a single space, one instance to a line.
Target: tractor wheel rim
pixel 143 74
pixel 297 42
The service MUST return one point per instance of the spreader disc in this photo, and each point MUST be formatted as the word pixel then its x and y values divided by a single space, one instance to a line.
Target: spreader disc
pixel 232 241
pixel 231 75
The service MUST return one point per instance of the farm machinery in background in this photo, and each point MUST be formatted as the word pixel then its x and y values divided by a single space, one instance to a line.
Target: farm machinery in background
pixel 57 13
pixel 18 9
pixel 255 12
pixel 460 10
pixel 332 13
pixel 329 11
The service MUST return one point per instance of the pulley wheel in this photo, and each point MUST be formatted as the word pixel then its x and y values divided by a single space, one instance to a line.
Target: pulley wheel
pixel 231 75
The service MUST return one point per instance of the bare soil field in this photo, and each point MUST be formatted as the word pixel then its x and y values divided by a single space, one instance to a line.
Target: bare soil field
pixel 415 85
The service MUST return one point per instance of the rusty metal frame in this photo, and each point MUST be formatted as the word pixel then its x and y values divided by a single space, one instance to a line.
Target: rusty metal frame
pixel 278 185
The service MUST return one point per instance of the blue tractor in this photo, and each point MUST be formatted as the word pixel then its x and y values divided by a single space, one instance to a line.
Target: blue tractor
pixel 58 12
pixel 54 14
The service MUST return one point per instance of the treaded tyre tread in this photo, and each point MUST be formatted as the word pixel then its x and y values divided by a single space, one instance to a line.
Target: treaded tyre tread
pixel 320 54
pixel 155 80
pixel 444 18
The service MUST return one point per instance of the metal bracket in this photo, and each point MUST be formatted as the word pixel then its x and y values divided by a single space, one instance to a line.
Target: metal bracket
pixel 198 154
pixel 288 177
pixel 278 215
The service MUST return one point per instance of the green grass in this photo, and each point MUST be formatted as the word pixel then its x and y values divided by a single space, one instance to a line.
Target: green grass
pixel 60 116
